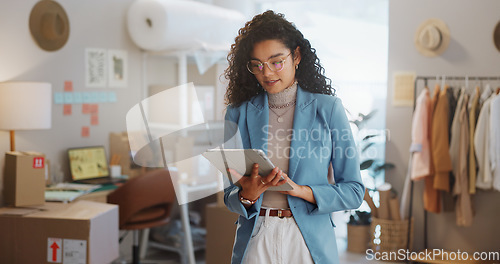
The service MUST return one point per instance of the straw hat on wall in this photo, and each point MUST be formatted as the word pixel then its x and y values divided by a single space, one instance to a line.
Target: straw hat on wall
pixel 49 25
pixel 432 37
pixel 496 36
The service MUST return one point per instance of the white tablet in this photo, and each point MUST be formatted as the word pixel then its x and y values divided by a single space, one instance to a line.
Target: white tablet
pixel 242 161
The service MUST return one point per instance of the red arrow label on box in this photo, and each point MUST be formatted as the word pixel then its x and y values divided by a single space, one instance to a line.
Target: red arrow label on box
pixel 54 248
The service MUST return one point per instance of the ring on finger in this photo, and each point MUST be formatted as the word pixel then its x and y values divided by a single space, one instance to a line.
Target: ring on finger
pixel 262 182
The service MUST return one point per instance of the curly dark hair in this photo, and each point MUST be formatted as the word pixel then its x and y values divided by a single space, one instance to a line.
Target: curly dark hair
pixel 271 26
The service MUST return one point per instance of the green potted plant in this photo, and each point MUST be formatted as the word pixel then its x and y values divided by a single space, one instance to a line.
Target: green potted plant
pixel 369 143
pixel 358 231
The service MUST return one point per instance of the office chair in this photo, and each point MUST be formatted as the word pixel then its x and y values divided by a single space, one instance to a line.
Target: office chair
pixel 144 201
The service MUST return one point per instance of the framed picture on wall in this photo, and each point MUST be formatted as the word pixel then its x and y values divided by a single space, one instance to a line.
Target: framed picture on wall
pixel 117 71
pixel 95 67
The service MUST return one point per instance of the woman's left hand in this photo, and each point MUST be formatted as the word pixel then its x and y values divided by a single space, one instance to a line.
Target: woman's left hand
pixel 302 191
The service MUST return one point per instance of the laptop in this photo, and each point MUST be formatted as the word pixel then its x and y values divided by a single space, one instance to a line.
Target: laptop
pixel 89 165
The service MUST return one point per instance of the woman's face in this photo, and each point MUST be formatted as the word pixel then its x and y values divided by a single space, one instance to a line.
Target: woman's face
pixel 273 51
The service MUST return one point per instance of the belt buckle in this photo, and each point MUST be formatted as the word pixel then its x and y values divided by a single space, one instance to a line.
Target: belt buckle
pixel 280 213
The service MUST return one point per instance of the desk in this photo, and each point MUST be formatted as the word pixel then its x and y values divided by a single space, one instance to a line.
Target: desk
pixel 185 191
pixel 100 195
pixel 70 192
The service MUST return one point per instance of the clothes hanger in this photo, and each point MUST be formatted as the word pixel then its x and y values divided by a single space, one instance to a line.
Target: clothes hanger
pixel 473 84
pixel 443 83
pixel 437 87
pixel 476 87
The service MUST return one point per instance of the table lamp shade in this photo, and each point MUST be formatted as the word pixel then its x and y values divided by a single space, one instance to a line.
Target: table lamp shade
pixel 25 105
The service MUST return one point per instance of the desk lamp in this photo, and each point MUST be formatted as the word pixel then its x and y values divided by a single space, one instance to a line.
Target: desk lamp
pixel 25 106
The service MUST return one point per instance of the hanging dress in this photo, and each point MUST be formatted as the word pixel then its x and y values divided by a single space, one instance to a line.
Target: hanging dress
pixel 495 140
pixel 473 112
pixel 440 143
pixel 420 163
pixel 482 147
pixel 432 198
pixel 455 134
pixel 461 188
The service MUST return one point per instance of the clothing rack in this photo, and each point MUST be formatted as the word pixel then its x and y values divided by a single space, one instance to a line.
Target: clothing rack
pixel 452 78
pixel 442 78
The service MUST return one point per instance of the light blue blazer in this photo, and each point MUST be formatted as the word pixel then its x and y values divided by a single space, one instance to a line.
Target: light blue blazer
pixel 321 135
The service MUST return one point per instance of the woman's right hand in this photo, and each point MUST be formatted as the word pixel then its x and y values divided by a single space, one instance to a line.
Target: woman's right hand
pixel 254 185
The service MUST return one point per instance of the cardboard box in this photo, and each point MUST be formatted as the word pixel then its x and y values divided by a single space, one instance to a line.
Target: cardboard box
pixel 220 199
pixel 221 229
pixel 83 232
pixel 24 179
pixel 118 145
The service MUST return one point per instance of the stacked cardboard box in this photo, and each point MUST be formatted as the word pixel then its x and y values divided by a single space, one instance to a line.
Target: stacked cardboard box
pixel 221 229
pixel 24 179
pixel 83 232
pixel 119 147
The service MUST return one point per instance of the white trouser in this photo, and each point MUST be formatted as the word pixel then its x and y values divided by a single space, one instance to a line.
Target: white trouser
pixel 277 240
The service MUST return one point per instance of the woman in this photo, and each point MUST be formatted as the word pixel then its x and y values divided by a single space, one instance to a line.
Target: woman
pixel 282 103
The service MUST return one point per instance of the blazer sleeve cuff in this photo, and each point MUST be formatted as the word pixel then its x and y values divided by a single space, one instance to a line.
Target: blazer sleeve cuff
pixel 233 204
pixel 331 198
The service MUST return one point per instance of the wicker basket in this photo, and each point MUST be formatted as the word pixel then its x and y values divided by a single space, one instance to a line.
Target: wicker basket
pixel 390 235
pixel 358 238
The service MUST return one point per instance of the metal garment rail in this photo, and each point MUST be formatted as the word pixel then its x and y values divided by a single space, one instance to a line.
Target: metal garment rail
pixel 443 79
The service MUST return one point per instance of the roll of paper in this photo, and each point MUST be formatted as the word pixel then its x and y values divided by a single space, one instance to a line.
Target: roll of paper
pixel 370 203
pixel 394 209
pixel 384 191
pixel 169 25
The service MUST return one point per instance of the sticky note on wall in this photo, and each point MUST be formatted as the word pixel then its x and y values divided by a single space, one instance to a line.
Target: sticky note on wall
pixel 94 108
pixel 85 108
pixel 87 98
pixel 85 131
pixel 68 98
pixel 94 119
pixel 68 86
pixel 58 98
pixel 77 98
pixel 94 97
pixel 112 97
pixel 103 97
pixel 67 109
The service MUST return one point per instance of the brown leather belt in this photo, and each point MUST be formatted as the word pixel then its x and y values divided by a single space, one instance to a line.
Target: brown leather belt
pixel 277 212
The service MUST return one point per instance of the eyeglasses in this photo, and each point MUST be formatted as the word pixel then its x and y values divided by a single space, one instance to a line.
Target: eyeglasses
pixel 274 64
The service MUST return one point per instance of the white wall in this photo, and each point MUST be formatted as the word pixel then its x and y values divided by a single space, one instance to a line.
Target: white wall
pixel 471 52
pixel 95 24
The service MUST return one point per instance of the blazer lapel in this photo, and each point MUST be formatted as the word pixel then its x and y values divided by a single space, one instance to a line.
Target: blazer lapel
pixel 258 121
pixel 304 116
